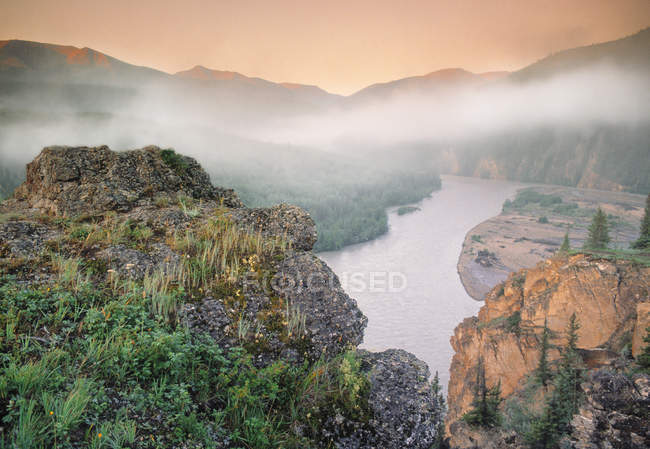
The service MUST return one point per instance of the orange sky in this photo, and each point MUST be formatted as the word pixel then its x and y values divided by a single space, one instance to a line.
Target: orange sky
pixel 341 46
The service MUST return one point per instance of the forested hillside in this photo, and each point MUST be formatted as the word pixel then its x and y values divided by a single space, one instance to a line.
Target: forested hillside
pixel 346 197
pixel 9 180
pixel 609 157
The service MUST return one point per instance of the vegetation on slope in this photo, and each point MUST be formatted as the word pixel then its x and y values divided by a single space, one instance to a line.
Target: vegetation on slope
pixel 9 180
pixel 603 156
pixel 346 197
pixel 88 359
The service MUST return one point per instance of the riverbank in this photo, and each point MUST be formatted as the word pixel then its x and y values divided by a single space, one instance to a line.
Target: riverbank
pixel 405 281
pixel 531 227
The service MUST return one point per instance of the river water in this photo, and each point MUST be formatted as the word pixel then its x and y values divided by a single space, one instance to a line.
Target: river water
pixel 406 281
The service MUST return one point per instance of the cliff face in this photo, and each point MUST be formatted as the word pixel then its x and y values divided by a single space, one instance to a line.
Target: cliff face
pixel 146 229
pixel 611 302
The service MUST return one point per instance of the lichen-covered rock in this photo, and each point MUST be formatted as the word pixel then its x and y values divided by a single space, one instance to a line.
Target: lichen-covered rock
pixel 23 238
pixel 404 406
pixel 283 220
pixel 616 413
pixel 129 262
pixel 208 317
pixel 404 410
pixel 333 320
pixel 83 180
pixel 468 437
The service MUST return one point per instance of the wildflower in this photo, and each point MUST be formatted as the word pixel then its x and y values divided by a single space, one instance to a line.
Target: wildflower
pixel 51 413
pixel 99 435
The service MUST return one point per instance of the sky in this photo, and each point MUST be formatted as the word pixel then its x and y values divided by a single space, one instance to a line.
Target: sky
pixel 341 46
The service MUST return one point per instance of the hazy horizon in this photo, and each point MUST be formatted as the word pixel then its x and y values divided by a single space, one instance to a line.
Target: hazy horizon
pixel 337 46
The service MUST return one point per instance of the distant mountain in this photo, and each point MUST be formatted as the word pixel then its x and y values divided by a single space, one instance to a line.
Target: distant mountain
pixel 201 73
pixel 42 63
pixel 631 53
pixel 51 78
pixel 444 79
pixel 224 78
pixel 28 61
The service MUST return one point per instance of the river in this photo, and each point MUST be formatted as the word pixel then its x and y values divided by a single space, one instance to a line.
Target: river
pixel 406 281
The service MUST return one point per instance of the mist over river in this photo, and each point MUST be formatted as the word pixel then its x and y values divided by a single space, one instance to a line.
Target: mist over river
pixel 406 281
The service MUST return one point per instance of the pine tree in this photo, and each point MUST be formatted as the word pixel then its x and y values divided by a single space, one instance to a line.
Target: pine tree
pixel 440 442
pixel 598 231
pixel 569 376
pixel 566 246
pixel 644 358
pixel 485 407
pixel 644 239
pixel 543 373
pixel 563 402
pixel 544 432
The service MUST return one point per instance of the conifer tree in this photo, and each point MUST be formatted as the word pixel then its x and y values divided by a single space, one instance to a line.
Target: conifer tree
pixel 644 358
pixel 644 239
pixel 569 376
pixel 485 407
pixel 566 246
pixel 598 231
pixel 563 402
pixel 440 442
pixel 543 373
pixel 544 432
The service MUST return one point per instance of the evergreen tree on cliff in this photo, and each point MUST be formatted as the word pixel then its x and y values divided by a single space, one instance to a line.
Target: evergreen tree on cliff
pixel 485 407
pixel 543 373
pixel 598 231
pixel 644 239
pixel 567 385
pixel 564 401
pixel 566 246
pixel 440 442
pixel 644 358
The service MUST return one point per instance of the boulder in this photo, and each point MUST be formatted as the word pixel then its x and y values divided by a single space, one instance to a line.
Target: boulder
pixel 616 413
pixel 332 319
pixel 283 220
pixel 82 180
pixel 403 407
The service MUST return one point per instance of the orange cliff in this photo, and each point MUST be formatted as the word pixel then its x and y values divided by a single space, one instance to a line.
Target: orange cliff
pixel 610 299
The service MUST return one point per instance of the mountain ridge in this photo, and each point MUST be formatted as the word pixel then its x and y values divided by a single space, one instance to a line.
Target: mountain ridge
pixel 24 57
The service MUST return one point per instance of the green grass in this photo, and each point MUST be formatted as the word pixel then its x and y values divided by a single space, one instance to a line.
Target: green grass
pixel 641 258
pixel 91 360
pixel 174 161
pixel 109 365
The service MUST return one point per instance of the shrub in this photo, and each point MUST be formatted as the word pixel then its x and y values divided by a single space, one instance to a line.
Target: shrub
pixel 175 161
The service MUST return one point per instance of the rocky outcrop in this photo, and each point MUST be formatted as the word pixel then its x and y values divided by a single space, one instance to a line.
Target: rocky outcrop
pixel 83 180
pixel 616 413
pixel 468 437
pixel 606 296
pixel 283 220
pixel 332 319
pixel 136 216
pixel 403 406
